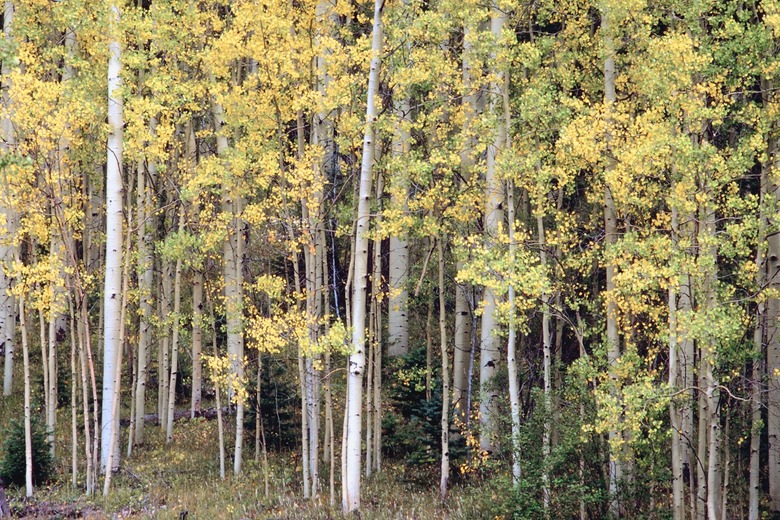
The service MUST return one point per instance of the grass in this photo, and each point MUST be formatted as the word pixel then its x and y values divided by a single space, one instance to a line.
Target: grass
pixel 181 480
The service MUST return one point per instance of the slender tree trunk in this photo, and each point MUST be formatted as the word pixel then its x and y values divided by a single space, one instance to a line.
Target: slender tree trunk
pixel 376 301
pixel 113 274
pixel 197 293
pixel 490 354
pixel 304 423
pixel 53 313
pixel 85 403
pixel 370 384
pixel 377 405
pixel 74 432
pixel 113 454
pixel 398 318
pixel 44 370
pixel 163 357
pixel 701 447
pixel 145 284
pixel 429 350
pixel 773 343
pixel 686 364
pixel 330 436
pixel 610 229
pixel 709 383
pixel 357 359
pixel 759 332
pixel 678 487
pixel 445 379
pixel 175 342
pixel 232 271
pixel 463 330
pixel 546 352
pixel 218 392
pixel 511 355
pixel 27 413
pixel 239 341
pixel 7 245
pixel 726 463
pixel 260 439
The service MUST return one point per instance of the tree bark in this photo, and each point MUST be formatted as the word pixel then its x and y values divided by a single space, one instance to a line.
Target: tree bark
pixel 175 342
pixel 445 379
pixel 610 231
pixel 357 359
pixel 113 274
pixel 7 246
pixel 490 354
pixel 28 464
pixel 398 318
pixel 773 345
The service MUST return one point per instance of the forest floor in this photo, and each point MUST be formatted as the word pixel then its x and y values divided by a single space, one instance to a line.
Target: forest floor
pixel 181 481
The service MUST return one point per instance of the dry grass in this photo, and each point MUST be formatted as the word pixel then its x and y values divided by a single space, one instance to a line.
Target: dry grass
pixel 181 480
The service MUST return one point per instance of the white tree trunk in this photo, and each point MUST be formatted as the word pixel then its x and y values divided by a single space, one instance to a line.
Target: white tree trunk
pixel 27 424
pixel 759 333
pixel 546 353
pixel 463 311
pixel 7 247
pixel 113 277
pixel 610 229
pixel 678 488
pixel 232 272
pixel 444 480
pixel 357 359
pixel 398 318
pixel 165 288
pixel 490 344
pixel 773 353
pixel 375 399
pixel 175 342
pixel 74 432
pixel 197 343
pixel 145 285
pixel 113 454
pixel 511 354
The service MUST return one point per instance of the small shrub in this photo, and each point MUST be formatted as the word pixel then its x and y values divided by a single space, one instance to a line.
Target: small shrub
pixel 12 466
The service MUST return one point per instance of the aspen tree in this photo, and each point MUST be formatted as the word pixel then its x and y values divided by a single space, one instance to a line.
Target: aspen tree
pixel 7 249
pixel 27 413
pixel 761 325
pixel 610 230
pixel 773 340
pixel 511 349
pixel 490 356
pixel 357 359
pixel 145 284
pixel 374 360
pixel 547 365
pixel 463 312
pixel 113 276
pixel 114 439
pixel 197 290
pixel 445 378
pixel 73 400
pixel 398 293
pixel 232 267
pixel 217 391
pixel 175 343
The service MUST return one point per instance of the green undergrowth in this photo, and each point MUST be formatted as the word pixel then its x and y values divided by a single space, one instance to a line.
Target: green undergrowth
pixel 181 480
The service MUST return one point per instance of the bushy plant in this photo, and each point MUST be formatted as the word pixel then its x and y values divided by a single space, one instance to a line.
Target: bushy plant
pixel 13 465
